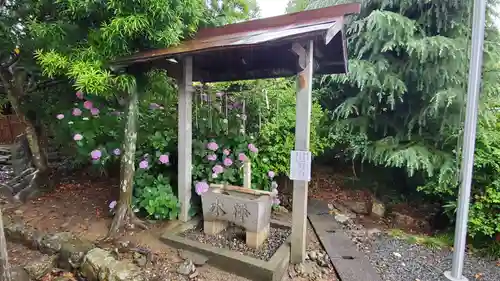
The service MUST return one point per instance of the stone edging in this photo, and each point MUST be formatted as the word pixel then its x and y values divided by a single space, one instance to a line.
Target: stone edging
pixel 71 253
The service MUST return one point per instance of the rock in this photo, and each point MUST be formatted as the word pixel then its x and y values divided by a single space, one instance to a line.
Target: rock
pixel 194 275
pixel 403 220
pixel 359 207
pixel 19 274
pixel 15 232
pixel 197 259
pixel 313 255
pixel 322 263
pixel 378 208
pixel 18 212
pixel 72 252
pixel 325 271
pixel 140 259
pixel 41 267
pixel 51 244
pixel 99 264
pixel 373 232
pixel 342 218
pixel 186 268
pixel 397 255
pixel 300 269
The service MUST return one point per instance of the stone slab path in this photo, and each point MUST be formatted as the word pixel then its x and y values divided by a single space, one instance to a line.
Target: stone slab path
pixel 350 264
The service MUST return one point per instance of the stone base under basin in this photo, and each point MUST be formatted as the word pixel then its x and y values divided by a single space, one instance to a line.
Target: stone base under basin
pixel 231 261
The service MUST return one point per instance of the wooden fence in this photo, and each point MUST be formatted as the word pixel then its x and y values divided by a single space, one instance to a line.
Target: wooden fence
pixel 10 127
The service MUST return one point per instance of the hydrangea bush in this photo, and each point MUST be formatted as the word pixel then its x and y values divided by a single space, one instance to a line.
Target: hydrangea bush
pixel 232 123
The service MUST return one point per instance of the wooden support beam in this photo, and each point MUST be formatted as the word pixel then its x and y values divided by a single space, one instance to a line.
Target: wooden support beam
pixel 185 137
pixel 302 132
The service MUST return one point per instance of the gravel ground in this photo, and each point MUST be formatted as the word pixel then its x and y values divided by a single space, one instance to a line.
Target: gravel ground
pixel 398 260
pixel 233 238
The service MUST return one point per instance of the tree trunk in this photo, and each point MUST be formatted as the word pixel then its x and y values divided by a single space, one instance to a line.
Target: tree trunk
pixel 124 211
pixel 5 274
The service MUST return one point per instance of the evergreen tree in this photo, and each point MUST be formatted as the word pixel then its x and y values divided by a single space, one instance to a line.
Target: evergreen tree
pixel 402 103
pixel 78 39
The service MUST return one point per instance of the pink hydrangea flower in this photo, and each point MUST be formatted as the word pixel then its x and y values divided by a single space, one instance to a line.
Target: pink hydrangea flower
pixel 117 152
pixel 226 151
pixel 212 146
pixel 96 154
pixel 112 204
pixel 270 174
pixel 242 157
pixel 60 116
pixel 79 94
pixel 143 164
pixel 218 169
pixel 77 137
pixel 201 187
pixel 228 162
pixel 94 111
pixel 88 105
pixel 252 148
pixel 164 159
pixel 212 157
pixel 77 112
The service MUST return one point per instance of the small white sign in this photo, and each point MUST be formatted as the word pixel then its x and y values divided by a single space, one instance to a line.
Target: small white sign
pixel 300 165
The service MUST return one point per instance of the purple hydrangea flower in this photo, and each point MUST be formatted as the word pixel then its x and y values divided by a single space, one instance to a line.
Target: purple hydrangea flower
pixel 60 116
pixel 228 162
pixel 96 154
pixel 212 146
pixel 94 111
pixel 154 105
pixel 201 187
pixel 112 204
pixel 117 152
pixel 218 169
pixel 164 159
pixel 143 164
pixel 276 201
pixel 77 137
pixel 212 157
pixel 270 174
pixel 226 151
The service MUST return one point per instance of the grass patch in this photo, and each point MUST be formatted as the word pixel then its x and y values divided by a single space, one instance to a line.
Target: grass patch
pixel 437 242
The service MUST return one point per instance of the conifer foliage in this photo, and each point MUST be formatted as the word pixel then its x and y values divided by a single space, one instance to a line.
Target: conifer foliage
pixel 402 104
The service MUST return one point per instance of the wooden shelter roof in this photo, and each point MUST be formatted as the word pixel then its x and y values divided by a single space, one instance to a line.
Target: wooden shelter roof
pixel 256 49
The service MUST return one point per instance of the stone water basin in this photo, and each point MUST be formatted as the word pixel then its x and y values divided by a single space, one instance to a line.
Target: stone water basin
pixel 250 211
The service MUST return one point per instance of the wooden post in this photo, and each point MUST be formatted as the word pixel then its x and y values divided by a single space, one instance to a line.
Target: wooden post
pixel 185 137
pixel 247 174
pixel 302 131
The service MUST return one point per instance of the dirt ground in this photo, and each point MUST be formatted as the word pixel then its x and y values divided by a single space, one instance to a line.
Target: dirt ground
pixel 79 204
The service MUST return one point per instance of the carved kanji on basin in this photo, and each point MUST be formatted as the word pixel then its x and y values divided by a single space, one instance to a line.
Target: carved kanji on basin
pixel 250 211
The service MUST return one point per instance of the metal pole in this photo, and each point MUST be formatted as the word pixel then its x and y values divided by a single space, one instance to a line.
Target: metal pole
pixel 478 22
